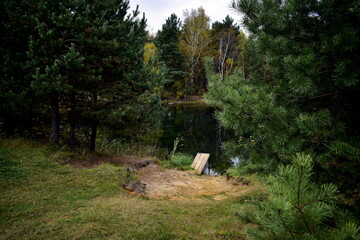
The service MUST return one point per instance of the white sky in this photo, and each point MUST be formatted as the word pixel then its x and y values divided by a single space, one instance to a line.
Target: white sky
pixel 157 11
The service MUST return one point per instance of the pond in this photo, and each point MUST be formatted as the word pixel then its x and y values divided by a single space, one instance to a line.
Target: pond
pixel 200 132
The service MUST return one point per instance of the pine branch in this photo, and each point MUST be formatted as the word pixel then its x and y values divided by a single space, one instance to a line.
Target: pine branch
pixel 298 199
pixel 284 224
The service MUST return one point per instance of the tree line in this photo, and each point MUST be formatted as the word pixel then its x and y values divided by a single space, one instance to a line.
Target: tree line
pixel 79 63
pixel 183 47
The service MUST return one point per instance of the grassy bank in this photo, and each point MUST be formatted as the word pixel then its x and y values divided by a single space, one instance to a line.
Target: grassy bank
pixel 43 199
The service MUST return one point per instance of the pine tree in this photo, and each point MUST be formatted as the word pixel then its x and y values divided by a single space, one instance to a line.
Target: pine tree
pixel 16 96
pixel 298 209
pixel 167 41
pixel 52 52
pixel 302 92
pixel 84 61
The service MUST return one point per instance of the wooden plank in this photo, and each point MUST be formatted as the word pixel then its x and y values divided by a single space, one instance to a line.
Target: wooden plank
pixel 200 161
pixel 196 159
pixel 203 163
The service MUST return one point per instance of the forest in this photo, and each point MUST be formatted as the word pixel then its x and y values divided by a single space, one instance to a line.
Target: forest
pixel 84 81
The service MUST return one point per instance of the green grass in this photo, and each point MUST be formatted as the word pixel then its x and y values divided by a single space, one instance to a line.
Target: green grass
pixel 42 199
pixel 181 160
pixel 106 147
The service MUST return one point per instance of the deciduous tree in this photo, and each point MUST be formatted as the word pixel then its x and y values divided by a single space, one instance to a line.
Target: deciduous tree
pixel 193 43
pixel 225 45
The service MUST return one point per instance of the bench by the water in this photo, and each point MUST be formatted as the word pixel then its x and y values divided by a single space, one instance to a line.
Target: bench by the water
pixel 200 161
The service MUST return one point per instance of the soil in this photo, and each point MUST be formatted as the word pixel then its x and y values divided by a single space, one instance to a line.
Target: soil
pixel 162 183
pixel 157 182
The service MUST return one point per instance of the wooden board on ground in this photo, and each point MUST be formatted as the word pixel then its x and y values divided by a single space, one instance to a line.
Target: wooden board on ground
pixel 200 161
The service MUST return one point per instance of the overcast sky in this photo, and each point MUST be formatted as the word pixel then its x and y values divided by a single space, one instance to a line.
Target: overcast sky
pixel 157 11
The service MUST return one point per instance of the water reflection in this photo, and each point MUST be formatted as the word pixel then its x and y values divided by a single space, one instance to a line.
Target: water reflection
pixel 201 133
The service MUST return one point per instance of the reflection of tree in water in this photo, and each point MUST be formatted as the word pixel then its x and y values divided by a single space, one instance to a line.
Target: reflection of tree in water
pixel 201 133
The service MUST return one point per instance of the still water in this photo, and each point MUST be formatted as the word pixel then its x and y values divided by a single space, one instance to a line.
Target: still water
pixel 200 132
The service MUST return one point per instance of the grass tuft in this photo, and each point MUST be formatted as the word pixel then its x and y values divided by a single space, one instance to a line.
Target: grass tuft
pixel 181 160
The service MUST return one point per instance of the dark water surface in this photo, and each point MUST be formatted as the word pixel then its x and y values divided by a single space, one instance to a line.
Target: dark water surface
pixel 200 131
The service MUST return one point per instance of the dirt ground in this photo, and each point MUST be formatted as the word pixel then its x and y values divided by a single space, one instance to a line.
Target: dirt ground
pixel 157 182
pixel 162 183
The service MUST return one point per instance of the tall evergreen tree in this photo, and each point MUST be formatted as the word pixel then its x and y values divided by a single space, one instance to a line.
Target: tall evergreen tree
pixel 16 96
pixel 84 60
pixel 167 41
pixel 54 53
pixel 305 95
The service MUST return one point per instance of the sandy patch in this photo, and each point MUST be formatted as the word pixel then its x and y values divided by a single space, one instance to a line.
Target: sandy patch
pixel 164 183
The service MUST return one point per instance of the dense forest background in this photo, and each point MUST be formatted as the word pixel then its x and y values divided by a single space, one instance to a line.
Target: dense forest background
pixel 74 70
pixel 84 66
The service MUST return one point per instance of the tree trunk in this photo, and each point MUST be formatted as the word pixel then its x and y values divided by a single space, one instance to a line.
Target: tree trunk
pixel 93 137
pixel 72 121
pixel 191 80
pixel 55 120
pixel 93 127
pixel 29 121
